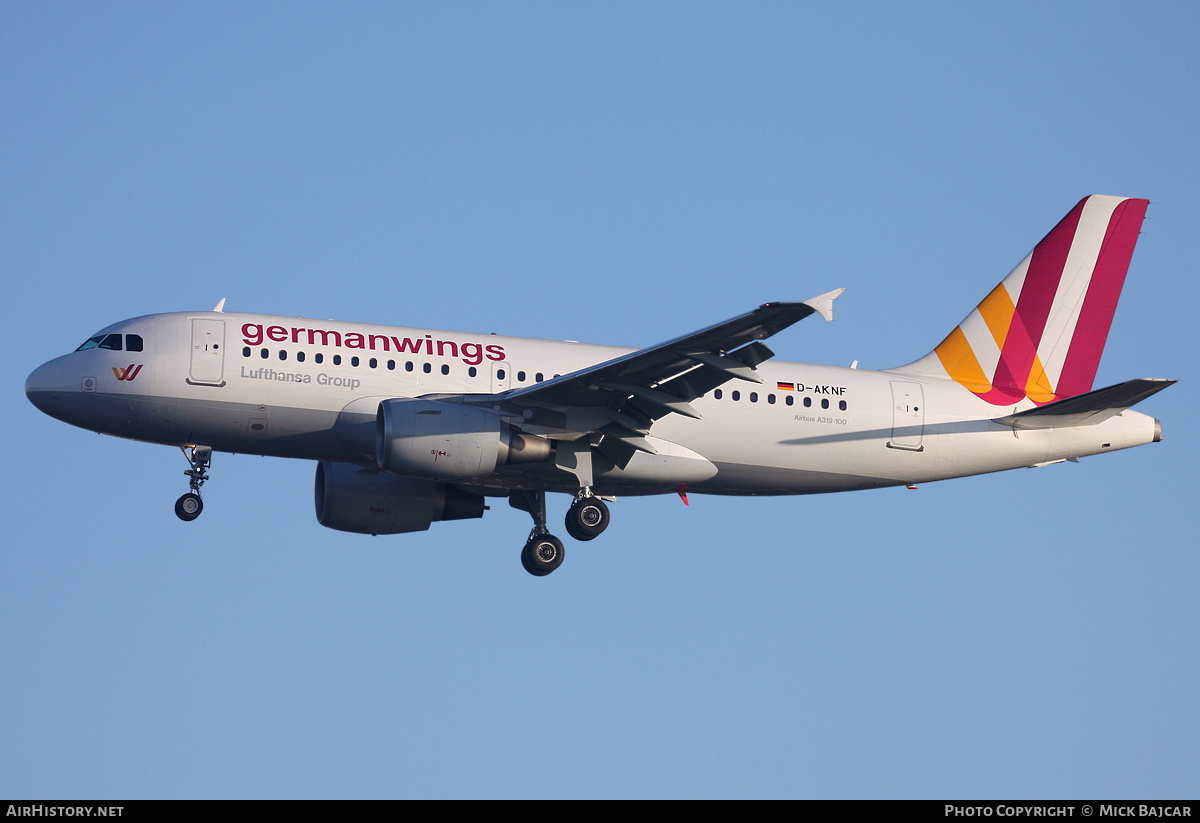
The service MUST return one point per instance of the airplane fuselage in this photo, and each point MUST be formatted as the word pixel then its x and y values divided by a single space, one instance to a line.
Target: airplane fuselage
pixel 310 389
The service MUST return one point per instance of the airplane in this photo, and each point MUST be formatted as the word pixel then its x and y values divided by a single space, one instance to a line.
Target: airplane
pixel 412 426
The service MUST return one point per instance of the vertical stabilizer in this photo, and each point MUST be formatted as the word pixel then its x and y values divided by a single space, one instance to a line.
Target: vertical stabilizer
pixel 1040 332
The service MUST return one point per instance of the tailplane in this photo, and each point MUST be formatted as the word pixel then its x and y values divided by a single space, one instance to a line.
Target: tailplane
pixel 1040 333
pixel 1087 409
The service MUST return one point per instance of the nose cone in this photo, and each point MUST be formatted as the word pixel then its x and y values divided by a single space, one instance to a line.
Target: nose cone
pixel 46 387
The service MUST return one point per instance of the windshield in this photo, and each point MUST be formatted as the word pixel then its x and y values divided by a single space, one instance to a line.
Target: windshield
pixel 133 342
pixel 91 343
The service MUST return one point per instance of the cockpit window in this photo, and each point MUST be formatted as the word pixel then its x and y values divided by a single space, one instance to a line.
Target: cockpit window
pixel 91 343
pixel 133 342
pixel 111 341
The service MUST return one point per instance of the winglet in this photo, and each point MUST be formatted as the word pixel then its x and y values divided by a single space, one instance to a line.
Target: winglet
pixel 220 306
pixel 823 305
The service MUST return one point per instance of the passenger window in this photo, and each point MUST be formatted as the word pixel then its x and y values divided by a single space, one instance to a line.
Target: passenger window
pixel 282 354
pixel 789 400
pixel 112 342
pixel 408 366
pixel 427 368
pixel 520 377
pixel 771 399
pixel 736 395
pixel 445 369
pixel 337 360
pixel 472 371
pixel 538 377
pixel 373 363
pixel 499 374
pixel 717 394
pixel 133 342
pixel 842 405
pixel 246 351
pixel 753 397
pixel 264 354
pixel 354 361
pixel 300 356
pixel 807 402
pixel 320 358
pixel 824 403
pixel 391 365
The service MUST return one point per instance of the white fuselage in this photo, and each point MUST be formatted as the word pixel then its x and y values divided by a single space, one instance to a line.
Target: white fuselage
pixel 309 389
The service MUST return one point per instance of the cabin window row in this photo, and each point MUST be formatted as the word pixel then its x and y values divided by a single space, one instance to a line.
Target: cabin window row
pixel 788 399
pixel 390 365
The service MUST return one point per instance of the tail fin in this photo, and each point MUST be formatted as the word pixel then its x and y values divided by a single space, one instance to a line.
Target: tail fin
pixel 1040 333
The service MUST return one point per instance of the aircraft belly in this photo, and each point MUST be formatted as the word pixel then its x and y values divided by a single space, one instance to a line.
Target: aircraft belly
pixel 745 480
pixel 225 426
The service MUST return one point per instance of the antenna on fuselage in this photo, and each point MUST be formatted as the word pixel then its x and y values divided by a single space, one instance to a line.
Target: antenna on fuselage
pixel 220 306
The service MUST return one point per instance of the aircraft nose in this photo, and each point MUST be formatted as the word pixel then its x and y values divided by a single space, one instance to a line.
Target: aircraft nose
pixel 46 387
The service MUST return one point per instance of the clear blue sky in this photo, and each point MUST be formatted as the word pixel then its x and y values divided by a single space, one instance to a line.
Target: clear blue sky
pixel 614 173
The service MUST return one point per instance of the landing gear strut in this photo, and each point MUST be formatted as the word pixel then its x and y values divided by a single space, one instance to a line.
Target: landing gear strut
pixel 543 552
pixel 587 517
pixel 189 506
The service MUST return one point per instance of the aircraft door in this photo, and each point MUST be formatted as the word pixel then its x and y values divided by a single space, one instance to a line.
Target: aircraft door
pixel 908 416
pixel 208 352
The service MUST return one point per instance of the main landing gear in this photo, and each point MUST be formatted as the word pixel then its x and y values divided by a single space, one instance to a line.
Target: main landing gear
pixel 188 507
pixel 543 552
pixel 587 517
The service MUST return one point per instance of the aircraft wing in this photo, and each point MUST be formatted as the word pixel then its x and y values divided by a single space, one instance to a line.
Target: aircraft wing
pixel 621 398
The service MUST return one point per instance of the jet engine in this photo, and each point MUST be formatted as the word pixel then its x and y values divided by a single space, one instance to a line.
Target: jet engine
pixel 351 498
pixel 430 438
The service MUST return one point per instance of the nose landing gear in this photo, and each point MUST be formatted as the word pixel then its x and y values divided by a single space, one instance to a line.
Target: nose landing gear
pixel 188 507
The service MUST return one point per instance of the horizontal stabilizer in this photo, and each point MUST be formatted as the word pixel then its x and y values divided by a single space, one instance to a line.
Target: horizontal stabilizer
pixel 1086 409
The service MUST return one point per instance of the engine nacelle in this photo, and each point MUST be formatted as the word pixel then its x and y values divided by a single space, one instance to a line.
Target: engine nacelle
pixel 429 438
pixel 351 498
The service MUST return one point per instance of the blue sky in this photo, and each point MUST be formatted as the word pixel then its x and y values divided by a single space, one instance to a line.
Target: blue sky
pixel 617 173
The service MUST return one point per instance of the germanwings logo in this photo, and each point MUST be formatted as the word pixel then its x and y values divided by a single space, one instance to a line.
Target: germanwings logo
pixel 1040 333
pixel 127 373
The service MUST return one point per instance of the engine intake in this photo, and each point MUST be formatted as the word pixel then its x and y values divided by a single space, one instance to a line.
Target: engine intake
pixel 430 438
